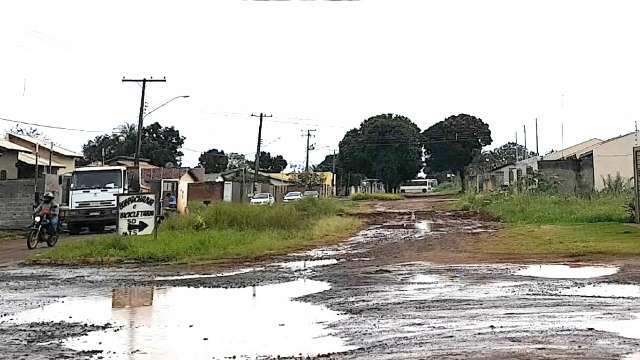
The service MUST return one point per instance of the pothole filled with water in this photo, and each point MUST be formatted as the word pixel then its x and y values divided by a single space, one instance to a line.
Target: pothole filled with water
pixel 201 323
pixel 567 272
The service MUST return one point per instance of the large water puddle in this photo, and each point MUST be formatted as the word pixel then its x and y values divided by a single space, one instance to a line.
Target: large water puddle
pixel 201 323
pixel 567 272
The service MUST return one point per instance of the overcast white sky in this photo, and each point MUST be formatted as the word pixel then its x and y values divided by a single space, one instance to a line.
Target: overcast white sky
pixel 326 65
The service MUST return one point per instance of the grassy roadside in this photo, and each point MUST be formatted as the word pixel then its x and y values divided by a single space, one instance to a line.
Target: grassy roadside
pixel 221 233
pixel 556 226
pixel 375 197
pixel 10 234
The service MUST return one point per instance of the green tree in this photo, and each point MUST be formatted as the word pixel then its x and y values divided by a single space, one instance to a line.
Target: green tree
pixel 500 156
pixel 452 143
pixel 270 164
pixel 327 164
pixel 236 161
pixel 386 147
pixel 213 161
pixel 161 145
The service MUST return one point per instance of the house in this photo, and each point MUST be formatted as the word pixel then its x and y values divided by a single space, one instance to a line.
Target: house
pixel 9 154
pixel 612 157
pixel 573 151
pixel 17 162
pixel 64 159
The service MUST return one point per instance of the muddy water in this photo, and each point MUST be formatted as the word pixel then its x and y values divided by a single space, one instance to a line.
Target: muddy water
pixel 359 297
pixel 203 323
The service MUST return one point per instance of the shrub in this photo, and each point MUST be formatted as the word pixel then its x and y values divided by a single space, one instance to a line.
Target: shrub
pixel 375 197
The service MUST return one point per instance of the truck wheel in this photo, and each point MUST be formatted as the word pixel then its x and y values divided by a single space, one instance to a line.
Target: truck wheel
pixel 424 191
pixel 74 229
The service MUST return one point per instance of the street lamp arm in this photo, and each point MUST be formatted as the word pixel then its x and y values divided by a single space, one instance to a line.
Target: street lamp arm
pixel 164 104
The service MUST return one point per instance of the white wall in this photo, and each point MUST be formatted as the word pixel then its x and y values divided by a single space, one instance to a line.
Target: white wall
pixel 612 158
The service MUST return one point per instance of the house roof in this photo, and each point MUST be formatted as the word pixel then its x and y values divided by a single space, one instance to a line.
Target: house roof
pixel 574 150
pixel 510 164
pixel 30 159
pixel 129 161
pixel 47 145
pixel 8 145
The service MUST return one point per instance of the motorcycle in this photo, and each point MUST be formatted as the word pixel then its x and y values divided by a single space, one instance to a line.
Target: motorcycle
pixel 38 232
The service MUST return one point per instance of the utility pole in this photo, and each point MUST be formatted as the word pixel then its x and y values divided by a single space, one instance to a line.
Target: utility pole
pixel 144 82
pixel 516 146
pixel 257 163
pixel 50 160
pixel 35 175
pixel 537 151
pixel 526 152
pixel 306 166
pixel 333 174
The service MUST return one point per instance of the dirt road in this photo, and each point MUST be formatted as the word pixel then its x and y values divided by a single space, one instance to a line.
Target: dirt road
pixel 405 288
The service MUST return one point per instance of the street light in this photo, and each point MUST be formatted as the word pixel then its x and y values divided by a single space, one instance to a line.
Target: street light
pixel 165 103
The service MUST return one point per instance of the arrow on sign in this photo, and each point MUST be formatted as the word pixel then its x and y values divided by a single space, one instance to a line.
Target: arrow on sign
pixel 140 226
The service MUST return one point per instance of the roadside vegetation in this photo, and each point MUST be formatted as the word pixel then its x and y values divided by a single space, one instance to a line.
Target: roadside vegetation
pixel 565 226
pixel 9 234
pixel 375 197
pixel 218 233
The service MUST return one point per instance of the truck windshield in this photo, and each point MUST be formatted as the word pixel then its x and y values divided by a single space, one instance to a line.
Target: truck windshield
pixel 105 179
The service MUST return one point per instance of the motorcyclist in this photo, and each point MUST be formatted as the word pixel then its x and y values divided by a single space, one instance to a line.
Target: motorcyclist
pixel 49 207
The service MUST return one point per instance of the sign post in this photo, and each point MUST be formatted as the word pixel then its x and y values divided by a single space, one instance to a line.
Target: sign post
pixel 636 181
pixel 136 214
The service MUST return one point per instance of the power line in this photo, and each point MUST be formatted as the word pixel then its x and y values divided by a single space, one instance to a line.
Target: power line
pixel 50 126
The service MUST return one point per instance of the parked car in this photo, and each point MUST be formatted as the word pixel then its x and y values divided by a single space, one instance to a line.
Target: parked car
pixel 262 199
pixel 311 193
pixel 293 196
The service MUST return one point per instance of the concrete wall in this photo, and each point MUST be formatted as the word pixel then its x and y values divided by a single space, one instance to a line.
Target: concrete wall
pixel 206 191
pixel 570 175
pixel 8 162
pixel 613 157
pixel 16 202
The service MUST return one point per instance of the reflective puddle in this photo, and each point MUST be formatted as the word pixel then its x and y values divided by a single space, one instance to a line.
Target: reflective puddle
pixel 605 291
pixel 201 323
pixel 204 276
pixel 567 272
pixel 305 264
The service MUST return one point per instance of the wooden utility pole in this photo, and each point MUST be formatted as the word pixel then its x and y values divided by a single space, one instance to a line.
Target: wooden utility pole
pixel 526 152
pixel 50 160
pixel 306 166
pixel 333 174
pixel 144 82
pixel 35 175
pixel 257 162
pixel 537 150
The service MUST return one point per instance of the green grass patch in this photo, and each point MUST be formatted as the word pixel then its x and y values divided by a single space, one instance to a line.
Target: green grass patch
pixel 221 232
pixel 375 197
pixel 10 234
pixel 566 240
pixel 549 209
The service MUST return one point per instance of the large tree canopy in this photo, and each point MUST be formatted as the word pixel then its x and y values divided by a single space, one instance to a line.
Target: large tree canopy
pixel 270 164
pixel 500 156
pixel 213 161
pixel 386 147
pixel 451 144
pixel 161 145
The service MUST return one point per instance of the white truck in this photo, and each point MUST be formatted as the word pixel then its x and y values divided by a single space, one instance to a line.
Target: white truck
pixel 92 197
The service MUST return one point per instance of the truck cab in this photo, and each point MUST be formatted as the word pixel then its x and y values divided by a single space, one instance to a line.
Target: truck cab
pixel 92 197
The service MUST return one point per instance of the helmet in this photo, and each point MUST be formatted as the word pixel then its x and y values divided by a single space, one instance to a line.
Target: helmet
pixel 48 195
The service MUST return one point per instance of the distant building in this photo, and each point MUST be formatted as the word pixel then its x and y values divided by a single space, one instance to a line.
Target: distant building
pixel 64 159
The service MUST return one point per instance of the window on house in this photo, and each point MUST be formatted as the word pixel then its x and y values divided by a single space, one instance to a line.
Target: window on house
pixel 3 174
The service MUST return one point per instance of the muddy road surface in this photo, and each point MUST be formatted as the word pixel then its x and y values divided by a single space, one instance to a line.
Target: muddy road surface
pixel 404 288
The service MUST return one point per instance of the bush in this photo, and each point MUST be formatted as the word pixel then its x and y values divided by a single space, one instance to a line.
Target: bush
pixel 375 197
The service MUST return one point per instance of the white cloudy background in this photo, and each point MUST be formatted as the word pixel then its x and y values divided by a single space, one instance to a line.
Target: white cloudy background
pixel 326 65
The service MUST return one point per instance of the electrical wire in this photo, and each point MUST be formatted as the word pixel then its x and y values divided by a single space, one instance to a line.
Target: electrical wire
pixel 50 126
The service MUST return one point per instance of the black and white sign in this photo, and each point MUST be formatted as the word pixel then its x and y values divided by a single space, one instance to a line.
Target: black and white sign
pixel 136 214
